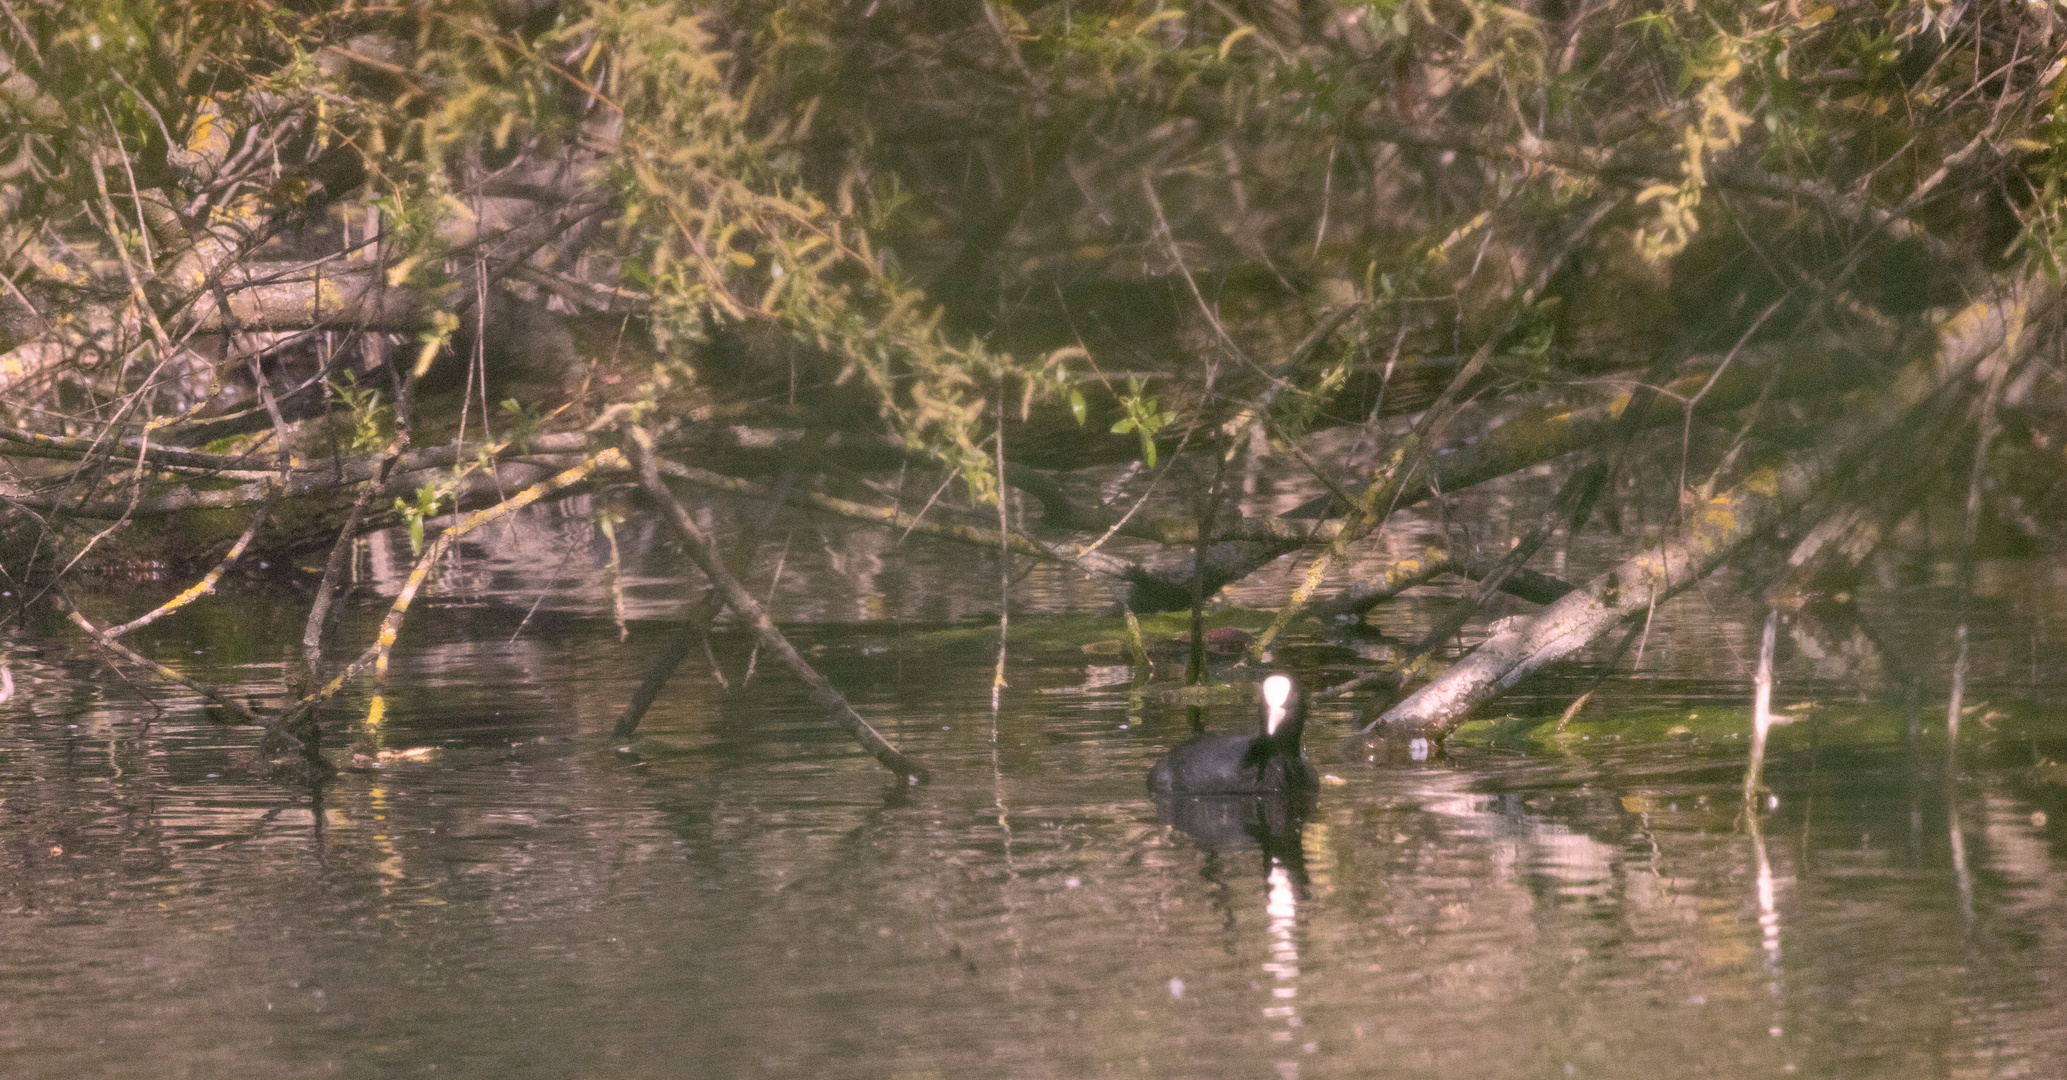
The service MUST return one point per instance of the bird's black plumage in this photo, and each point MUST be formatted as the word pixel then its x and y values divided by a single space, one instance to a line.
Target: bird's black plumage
pixel 1270 760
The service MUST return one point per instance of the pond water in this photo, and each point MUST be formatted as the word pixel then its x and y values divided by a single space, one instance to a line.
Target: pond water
pixel 738 892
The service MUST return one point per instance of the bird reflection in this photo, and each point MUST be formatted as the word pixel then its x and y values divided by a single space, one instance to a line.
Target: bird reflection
pixel 1272 822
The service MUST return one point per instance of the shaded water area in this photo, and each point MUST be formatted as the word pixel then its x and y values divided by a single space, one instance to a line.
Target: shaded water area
pixel 740 892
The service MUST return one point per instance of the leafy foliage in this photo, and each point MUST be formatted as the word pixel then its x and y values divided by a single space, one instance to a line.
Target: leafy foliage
pixel 938 212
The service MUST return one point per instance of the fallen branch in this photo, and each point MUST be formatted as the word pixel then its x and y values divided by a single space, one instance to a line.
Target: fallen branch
pixel 1520 646
pixel 74 448
pixel 275 728
pixel 324 476
pixel 1536 588
pixel 391 626
pixel 704 552
pixel 376 654
pixel 693 630
pixel 1712 532
pixel 1094 563
pixel 1243 546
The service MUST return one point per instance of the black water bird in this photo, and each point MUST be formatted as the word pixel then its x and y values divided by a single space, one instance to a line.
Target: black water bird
pixel 1244 764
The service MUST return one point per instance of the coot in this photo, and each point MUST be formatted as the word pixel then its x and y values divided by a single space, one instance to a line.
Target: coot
pixel 1243 764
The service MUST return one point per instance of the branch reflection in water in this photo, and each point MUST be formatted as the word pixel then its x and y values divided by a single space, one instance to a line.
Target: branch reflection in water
pixel 1769 929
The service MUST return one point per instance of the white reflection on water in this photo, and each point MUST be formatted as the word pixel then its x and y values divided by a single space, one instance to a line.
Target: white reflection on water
pixel 1769 928
pixel 1283 965
pixel 1958 842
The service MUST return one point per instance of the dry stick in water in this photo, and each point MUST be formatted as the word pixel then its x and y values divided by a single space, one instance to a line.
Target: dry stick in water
pixel 1195 661
pixel 997 679
pixel 1606 669
pixel 694 629
pixel 774 583
pixel 1969 536
pixel 1761 706
pixel 334 569
pixel 613 572
pixel 704 552
pixel 303 680
pixel 212 693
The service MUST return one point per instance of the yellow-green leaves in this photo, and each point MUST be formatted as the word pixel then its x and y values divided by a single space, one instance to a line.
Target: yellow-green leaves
pixel 522 422
pixel 443 325
pixel 369 418
pixel 722 229
pixel 1711 67
pixel 1144 417
pixel 428 499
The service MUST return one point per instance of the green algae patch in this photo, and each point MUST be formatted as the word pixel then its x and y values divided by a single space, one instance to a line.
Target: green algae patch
pixel 1706 724
pixel 1852 726
pixel 1099 635
pixel 1221 693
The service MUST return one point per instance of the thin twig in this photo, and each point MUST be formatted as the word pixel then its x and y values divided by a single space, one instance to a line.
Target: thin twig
pixel 1761 709
pixel 1969 536
pixel 275 728
pixel 204 586
pixel 703 551
pixel 997 679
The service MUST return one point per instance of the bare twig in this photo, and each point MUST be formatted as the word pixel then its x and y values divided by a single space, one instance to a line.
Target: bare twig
pixel 1969 535
pixel 704 552
pixel 274 728
pixel 202 587
pixel 1761 708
